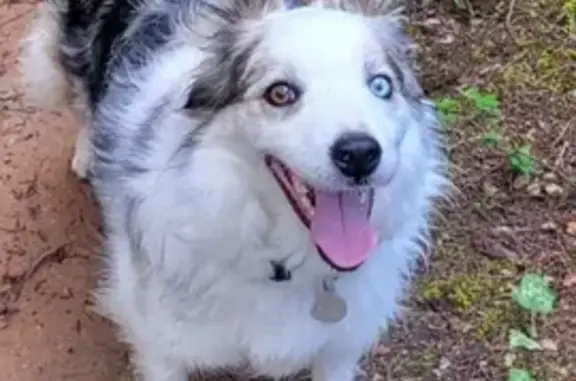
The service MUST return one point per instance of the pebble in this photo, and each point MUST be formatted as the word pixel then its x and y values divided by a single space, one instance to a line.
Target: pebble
pixel 553 189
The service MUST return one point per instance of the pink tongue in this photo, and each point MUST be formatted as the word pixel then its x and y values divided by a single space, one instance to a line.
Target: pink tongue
pixel 341 228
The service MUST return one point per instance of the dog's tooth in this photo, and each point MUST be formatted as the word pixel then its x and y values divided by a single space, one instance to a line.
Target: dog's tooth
pixel 306 204
pixel 299 187
pixel 363 196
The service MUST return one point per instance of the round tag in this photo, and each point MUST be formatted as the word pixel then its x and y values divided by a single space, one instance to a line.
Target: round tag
pixel 329 307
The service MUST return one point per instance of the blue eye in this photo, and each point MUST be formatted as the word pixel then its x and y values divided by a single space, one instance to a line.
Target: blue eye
pixel 381 86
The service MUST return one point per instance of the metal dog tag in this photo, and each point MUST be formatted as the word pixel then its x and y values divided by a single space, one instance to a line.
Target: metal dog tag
pixel 328 306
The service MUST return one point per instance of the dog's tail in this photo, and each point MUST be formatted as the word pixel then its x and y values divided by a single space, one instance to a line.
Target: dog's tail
pixel 44 77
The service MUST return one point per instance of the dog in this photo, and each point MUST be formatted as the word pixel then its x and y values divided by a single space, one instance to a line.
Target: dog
pixel 267 173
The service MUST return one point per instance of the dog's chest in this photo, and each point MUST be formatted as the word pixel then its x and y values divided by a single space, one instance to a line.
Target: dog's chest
pixel 273 328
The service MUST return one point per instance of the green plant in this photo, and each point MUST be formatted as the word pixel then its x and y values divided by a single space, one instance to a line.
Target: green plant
pixel 484 103
pixel 535 296
pixel 449 108
pixel 518 339
pixel 522 161
pixel 570 14
pixel 491 138
pixel 484 107
pixel 515 374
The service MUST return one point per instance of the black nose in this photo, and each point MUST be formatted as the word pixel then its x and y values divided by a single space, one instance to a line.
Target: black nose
pixel 356 155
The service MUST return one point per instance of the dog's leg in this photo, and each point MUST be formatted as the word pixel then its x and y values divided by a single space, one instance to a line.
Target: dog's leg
pixel 82 159
pixel 335 364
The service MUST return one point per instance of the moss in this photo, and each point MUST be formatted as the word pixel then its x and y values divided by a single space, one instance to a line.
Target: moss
pixel 432 291
pixel 413 30
pixel 462 291
pixel 466 291
pixel 492 320
pixel 549 73
pixel 479 293
pixel 544 65
pixel 569 9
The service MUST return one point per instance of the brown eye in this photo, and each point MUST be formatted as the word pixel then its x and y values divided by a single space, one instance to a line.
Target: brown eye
pixel 281 94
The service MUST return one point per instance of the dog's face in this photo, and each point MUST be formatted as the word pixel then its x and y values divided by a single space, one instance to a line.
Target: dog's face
pixel 326 96
pixel 320 91
pixel 329 99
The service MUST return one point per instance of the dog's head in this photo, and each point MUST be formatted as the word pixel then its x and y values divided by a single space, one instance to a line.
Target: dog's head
pixel 326 94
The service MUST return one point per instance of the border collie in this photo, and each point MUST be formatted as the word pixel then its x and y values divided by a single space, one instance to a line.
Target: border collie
pixel 267 172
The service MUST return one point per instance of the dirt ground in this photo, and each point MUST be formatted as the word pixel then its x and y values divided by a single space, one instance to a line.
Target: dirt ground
pixel 500 226
pixel 48 246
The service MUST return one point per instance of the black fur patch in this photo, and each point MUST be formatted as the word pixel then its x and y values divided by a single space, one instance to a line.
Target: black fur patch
pixel 113 26
pixel 223 84
pixel 226 70
pixel 94 32
pixel 151 34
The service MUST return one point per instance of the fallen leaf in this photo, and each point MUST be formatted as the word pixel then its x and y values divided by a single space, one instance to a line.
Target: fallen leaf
pixel 519 375
pixel 501 252
pixel 519 339
pixel 534 189
pixel 489 189
pixel 549 226
pixel 549 345
pixel 521 182
pixel 571 228
pixel 444 363
pixel 447 40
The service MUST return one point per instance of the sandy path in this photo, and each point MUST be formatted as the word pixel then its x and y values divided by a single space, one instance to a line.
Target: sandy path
pixel 48 250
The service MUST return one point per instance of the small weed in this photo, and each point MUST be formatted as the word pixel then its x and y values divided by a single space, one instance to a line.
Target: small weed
pixel 522 161
pixel 491 138
pixel 449 108
pixel 479 106
pixel 485 104
pixel 518 339
pixel 519 375
pixel 535 296
pixel 570 14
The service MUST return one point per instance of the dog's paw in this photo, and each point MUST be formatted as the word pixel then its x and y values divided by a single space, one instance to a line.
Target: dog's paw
pixel 81 163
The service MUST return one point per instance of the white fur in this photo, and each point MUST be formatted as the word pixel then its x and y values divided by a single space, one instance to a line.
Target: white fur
pixel 195 291
pixel 46 84
pixel 44 81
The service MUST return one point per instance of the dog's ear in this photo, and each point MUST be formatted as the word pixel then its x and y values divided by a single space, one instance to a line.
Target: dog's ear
pixel 399 47
pixel 226 31
pixel 232 12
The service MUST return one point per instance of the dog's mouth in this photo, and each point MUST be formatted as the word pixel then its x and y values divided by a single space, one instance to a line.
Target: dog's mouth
pixel 339 221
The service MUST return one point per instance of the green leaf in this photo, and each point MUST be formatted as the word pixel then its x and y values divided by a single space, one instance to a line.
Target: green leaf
pixel 516 374
pixel 521 160
pixel 534 294
pixel 485 103
pixel 491 138
pixel 449 108
pixel 518 339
